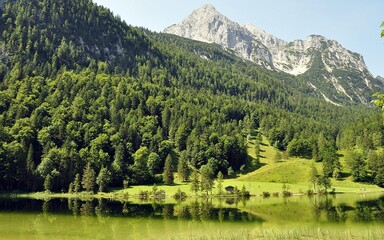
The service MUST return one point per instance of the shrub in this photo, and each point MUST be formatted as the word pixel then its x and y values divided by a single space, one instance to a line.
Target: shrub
pixel 159 195
pixel 275 194
pixel 266 194
pixel 143 195
pixel 125 183
pixel 180 195
pixel 244 192
pixel 287 193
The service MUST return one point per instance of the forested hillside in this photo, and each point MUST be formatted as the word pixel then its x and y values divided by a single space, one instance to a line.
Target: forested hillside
pixel 86 98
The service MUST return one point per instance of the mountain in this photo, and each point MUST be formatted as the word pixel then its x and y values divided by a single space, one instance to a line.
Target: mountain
pixel 335 73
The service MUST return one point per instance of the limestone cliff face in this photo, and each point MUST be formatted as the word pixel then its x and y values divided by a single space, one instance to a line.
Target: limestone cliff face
pixel 320 60
pixel 208 25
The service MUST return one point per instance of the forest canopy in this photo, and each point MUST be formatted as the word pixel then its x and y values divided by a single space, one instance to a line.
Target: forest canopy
pixel 89 102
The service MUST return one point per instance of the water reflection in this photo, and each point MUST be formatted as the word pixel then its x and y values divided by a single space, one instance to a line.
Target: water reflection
pixel 197 210
pixel 360 211
pixel 319 209
pixel 333 212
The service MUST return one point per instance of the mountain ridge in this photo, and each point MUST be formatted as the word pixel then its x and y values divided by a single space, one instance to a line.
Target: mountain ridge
pixel 298 57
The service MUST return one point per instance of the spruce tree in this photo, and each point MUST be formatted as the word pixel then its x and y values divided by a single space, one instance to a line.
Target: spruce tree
pixel 220 178
pixel 182 167
pixel 103 179
pixel 206 178
pixel 257 148
pixel 314 175
pixel 168 174
pixel 88 180
pixel 77 184
pixel 30 162
pixel 195 183
pixel 48 183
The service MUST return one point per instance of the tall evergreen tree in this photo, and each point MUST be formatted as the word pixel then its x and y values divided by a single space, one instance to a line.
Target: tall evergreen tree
pixel 168 173
pixel 30 161
pixel 154 163
pixel 206 178
pixel 314 175
pixel 357 165
pixel 77 183
pixel 48 183
pixel 220 179
pixel 103 179
pixel 195 182
pixel 183 167
pixel 89 178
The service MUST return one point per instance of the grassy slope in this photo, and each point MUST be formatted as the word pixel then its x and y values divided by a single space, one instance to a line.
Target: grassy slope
pixel 294 172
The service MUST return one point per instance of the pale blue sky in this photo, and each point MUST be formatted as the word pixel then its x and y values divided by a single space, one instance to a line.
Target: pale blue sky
pixel 355 24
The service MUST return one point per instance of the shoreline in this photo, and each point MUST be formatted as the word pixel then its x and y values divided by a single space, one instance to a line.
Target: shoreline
pixel 113 196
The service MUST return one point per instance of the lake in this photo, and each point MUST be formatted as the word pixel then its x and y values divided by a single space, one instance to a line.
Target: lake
pixel 340 216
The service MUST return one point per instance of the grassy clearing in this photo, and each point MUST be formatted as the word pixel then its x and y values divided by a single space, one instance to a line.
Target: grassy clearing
pixel 294 172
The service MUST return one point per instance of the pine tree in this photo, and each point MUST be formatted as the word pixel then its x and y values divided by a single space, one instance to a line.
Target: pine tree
pixel 30 175
pixel 324 181
pixel 168 174
pixel 48 183
pixel 118 166
pixel 257 148
pixel 314 175
pixel 77 184
pixel 70 188
pixel 88 180
pixel 154 163
pixel 195 183
pixel 30 162
pixel 206 178
pixel 220 178
pixel 182 167
pixel 103 179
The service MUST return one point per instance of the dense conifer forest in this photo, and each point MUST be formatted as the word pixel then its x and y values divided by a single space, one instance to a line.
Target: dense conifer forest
pixel 89 102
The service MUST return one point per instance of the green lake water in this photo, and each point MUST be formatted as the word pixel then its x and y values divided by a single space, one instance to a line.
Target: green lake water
pixel 333 217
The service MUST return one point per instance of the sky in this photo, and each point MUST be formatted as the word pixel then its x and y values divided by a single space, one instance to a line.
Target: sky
pixel 355 24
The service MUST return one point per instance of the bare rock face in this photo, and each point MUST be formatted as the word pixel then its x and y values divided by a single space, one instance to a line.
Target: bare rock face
pixel 208 25
pixel 340 68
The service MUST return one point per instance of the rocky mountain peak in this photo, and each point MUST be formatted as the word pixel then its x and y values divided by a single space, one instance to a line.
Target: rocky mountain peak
pixel 209 7
pixel 206 24
pixel 323 63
